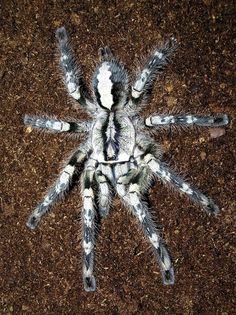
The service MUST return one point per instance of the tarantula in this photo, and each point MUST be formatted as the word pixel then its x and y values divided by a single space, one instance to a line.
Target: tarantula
pixel 118 152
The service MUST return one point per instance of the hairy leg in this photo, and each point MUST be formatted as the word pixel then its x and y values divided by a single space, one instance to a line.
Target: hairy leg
pixel 73 79
pixel 57 190
pixel 168 176
pixel 187 120
pixel 56 125
pixel 104 194
pixel 88 228
pixel 154 65
pixel 132 197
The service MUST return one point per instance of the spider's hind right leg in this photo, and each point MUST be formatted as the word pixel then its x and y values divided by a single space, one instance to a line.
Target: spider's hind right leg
pixel 133 197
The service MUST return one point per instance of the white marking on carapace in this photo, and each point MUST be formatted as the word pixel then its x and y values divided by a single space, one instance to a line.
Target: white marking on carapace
pixel 105 85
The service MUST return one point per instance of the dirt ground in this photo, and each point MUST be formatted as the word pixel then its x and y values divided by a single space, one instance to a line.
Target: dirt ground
pixel 40 270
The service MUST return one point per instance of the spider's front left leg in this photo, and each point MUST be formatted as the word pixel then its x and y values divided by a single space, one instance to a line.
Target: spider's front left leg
pixel 187 120
pixel 56 125
pixel 154 65
pixel 132 197
pixel 57 190
pixel 88 226
pixel 72 74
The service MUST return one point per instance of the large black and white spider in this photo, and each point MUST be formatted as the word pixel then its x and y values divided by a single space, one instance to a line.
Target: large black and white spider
pixel 118 152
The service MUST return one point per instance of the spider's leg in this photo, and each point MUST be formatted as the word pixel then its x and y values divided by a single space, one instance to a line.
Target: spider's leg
pixel 57 190
pixel 88 228
pixel 133 199
pixel 72 74
pixel 154 65
pixel 56 125
pixel 187 120
pixel 168 176
pixel 104 194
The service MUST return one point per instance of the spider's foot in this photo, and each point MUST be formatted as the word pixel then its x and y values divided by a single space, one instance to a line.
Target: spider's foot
pixel 211 207
pixel 61 34
pixel 33 221
pixel 168 276
pixel 220 120
pixel 89 283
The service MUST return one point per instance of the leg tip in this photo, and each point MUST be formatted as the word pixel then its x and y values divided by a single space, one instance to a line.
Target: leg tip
pixel 212 208
pixel 221 120
pixel 61 34
pixel 168 276
pixel 90 284
pixel 32 222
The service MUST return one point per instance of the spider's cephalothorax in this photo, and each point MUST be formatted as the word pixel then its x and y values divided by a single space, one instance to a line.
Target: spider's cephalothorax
pixel 118 155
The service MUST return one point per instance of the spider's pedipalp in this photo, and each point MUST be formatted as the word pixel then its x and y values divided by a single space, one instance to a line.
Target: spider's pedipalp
pixel 155 64
pixel 57 190
pixel 187 120
pixel 168 176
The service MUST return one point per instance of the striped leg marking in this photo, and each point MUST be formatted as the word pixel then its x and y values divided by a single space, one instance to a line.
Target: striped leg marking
pixel 154 66
pixel 104 194
pixel 57 190
pixel 72 74
pixel 55 125
pixel 187 120
pixel 178 183
pixel 133 198
pixel 88 228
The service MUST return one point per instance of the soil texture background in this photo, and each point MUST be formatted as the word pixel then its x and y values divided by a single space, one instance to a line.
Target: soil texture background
pixel 40 270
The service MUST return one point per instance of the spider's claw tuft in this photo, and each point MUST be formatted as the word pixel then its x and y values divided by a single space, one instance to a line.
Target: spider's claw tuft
pixel 90 284
pixel 212 208
pixel 61 34
pixel 32 222
pixel 168 276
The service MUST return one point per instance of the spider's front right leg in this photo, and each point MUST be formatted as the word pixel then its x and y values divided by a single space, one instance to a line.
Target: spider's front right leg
pixel 57 190
pixel 187 120
pixel 73 79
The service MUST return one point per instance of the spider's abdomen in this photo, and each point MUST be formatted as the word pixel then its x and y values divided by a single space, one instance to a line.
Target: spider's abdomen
pixel 113 138
pixel 110 85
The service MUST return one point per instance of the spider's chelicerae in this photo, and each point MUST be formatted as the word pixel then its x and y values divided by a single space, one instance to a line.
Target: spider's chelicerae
pixel 118 152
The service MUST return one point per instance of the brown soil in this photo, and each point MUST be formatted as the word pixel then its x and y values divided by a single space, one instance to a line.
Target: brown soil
pixel 41 270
